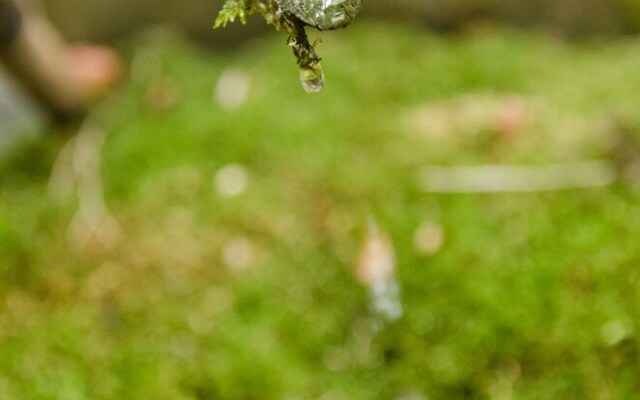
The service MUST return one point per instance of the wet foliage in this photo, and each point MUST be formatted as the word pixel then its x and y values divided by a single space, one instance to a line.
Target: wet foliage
pixel 291 17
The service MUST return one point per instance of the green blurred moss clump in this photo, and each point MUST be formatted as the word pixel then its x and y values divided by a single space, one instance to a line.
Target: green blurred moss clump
pixel 240 204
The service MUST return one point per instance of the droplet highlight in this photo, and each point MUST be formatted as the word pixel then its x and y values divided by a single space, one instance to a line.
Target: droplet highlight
pixel 312 79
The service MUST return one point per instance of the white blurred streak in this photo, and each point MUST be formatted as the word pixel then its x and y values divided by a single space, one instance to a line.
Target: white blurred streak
pixel 516 178
pixel 78 170
pixel 232 89
pixel 376 270
pixel 385 300
pixel 231 180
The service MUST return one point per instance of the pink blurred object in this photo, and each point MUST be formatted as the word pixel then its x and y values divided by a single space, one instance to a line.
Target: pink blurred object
pixel 375 269
pixel 94 69
pixel 376 261
pixel 513 116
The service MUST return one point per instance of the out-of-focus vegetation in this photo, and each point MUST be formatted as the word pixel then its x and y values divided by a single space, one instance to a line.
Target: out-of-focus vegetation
pixel 96 19
pixel 565 17
pixel 237 206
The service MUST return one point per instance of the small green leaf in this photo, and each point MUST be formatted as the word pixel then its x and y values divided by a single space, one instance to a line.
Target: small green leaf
pixel 231 10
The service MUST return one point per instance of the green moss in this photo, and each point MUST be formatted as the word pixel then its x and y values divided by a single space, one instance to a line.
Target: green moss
pixel 532 295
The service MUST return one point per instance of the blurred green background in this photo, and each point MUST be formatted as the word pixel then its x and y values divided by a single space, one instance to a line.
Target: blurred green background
pixel 196 237
pixel 97 19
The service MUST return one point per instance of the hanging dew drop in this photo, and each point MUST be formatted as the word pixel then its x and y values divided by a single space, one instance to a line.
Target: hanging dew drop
pixel 322 15
pixel 312 79
pixel 292 16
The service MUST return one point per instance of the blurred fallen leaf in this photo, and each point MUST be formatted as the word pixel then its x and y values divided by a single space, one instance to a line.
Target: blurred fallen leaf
pixel 375 269
pixel 376 262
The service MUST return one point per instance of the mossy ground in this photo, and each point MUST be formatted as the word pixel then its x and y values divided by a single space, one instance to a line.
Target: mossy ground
pixel 532 296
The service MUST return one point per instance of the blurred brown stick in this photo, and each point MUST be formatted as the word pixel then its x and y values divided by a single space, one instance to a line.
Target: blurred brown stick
pixel 35 54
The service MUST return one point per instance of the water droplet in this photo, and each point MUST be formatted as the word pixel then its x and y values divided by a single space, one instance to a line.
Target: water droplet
pixel 312 79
